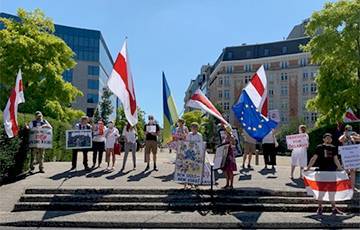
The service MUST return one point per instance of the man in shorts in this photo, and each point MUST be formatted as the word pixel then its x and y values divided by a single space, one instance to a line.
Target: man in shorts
pixel 152 131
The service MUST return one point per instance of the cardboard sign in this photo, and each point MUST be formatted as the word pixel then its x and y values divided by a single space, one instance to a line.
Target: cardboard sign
pixel 41 138
pixel 189 164
pixel 297 141
pixel 220 156
pixel 79 139
pixel 151 128
pixel 350 156
pixel 237 148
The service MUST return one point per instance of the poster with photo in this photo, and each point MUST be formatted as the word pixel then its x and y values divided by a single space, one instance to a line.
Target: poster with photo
pixel 40 137
pixel 79 139
pixel 238 149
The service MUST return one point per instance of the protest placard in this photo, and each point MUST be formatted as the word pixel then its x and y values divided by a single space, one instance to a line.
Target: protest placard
pixel 297 141
pixel 220 156
pixel 78 139
pixel 350 156
pixel 237 149
pixel 40 137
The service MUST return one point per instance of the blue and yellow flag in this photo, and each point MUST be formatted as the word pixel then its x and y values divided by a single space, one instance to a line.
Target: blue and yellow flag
pixel 170 112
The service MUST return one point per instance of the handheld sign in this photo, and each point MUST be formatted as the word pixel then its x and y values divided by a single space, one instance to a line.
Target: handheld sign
pixel 220 156
pixel 41 138
pixel 297 141
pixel 79 139
pixel 350 156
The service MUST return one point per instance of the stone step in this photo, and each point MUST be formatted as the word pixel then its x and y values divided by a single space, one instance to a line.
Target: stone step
pixel 192 198
pixel 175 206
pixel 191 220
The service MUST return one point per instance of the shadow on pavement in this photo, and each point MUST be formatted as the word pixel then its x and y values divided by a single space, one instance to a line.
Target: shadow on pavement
pixel 330 218
pixel 139 176
pixel 166 178
pixel 119 174
pixel 98 173
pixel 68 174
pixel 296 183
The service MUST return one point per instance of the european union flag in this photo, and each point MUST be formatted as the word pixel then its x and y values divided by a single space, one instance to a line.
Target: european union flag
pixel 251 119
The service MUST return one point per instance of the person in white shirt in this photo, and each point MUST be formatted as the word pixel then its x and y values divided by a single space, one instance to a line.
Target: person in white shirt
pixel 111 137
pixel 194 135
pixel 129 134
pixel 269 149
pixel 98 142
pixel 36 152
pixel 299 155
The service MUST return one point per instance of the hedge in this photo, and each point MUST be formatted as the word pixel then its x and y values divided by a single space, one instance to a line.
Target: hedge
pixel 14 152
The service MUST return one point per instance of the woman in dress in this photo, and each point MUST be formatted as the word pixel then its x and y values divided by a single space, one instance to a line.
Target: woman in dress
pixel 299 155
pixel 111 136
pixel 230 163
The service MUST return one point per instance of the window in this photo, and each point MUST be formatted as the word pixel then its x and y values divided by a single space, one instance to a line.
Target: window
pixel 283 76
pixel 305 76
pixel 93 84
pixel 266 66
pixel 284 64
pixel 266 52
pixel 90 112
pixel 271 92
pixel 247 68
pixel 93 70
pixel 220 94
pixel 247 79
pixel 92 98
pixel 313 75
pixel 226 106
pixel 284 50
pixel 284 90
pixel 313 88
pixel 227 80
pixel 229 55
pixel 305 89
pixel 229 69
pixel 303 61
pixel 313 117
pixel 248 53
pixel 68 75
pixel 227 94
pixel 220 81
pixel 284 105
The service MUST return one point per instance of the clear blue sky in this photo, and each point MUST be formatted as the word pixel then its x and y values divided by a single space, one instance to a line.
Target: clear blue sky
pixel 174 36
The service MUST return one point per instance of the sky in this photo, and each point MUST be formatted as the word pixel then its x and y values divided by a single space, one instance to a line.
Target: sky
pixel 176 37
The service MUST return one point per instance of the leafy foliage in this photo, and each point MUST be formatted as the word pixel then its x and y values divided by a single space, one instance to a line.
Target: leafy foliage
pixel 196 116
pixel 121 122
pixel 106 108
pixel 30 45
pixel 335 46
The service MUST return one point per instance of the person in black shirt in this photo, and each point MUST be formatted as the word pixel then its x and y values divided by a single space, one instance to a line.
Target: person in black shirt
pixel 84 124
pixel 326 155
pixel 152 131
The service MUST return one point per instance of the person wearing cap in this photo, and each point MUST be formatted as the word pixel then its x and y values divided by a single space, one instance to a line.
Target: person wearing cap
pixel 299 155
pixel 98 142
pixel 84 124
pixel 230 162
pixel 37 153
pixel 152 131
pixel 326 156
pixel 350 138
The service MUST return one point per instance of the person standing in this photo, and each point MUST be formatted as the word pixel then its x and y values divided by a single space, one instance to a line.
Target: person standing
pixel 181 131
pixel 152 131
pixel 269 149
pixel 83 125
pixel 111 137
pixel 37 153
pixel 249 149
pixel 230 162
pixel 326 156
pixel 129 134
pixel 299 155
pixel 350 137
pixel 98 142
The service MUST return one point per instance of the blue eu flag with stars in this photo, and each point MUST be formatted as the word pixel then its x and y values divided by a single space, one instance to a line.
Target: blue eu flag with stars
pixel 251 119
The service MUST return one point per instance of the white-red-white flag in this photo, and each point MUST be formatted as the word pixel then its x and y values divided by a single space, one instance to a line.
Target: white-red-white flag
pixel 122 85
pixel 199 101
pixel 350 116
pixel 10 111
pixel 328 186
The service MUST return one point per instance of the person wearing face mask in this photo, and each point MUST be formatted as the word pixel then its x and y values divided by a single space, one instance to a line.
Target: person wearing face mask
pixel 350 138
pixel 111 137
pixel 152 131
pixel 98 142
pixel 299 155
pixel 84 124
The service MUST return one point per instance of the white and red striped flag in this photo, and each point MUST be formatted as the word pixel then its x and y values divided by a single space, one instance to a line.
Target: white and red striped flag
pixel 122 85
pixel 199 101
pixel 350 116
pixel 10 111
pixel 328 186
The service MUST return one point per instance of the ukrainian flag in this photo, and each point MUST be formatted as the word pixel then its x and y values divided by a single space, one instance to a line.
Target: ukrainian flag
pixel 170 112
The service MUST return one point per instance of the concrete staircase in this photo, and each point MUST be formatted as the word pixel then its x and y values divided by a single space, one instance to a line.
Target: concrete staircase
pixel 198 209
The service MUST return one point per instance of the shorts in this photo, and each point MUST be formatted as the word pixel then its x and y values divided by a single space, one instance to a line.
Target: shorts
pixel 150 146
pixel 249 148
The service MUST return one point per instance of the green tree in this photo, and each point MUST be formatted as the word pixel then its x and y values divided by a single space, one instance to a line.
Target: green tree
pixel 335 46
pixel 30 44
pixel 121 122
pixel 196 116
pixel 106 107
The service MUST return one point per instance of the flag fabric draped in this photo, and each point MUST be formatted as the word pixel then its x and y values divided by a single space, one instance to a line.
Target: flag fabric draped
pixel 350 116
pixel 121 84
pixel 251 109
pixel 170 112
pixel 10 111
pixel 328 186
pixel 199 101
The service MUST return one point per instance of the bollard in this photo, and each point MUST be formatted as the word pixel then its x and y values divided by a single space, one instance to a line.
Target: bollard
pixel 257 157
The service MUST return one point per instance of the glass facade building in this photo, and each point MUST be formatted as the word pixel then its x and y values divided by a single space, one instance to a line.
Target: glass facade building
pixel 93 68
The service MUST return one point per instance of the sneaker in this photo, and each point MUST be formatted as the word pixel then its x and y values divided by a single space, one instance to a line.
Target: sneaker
pixel 155 169
pixel 147 168
pixel 335 211
pixel 319 211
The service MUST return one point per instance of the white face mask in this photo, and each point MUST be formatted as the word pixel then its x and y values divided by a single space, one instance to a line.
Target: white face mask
pixel 111 125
